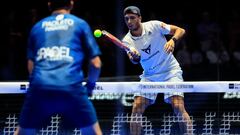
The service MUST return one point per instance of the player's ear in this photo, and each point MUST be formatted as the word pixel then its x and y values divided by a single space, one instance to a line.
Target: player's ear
pixel 140 18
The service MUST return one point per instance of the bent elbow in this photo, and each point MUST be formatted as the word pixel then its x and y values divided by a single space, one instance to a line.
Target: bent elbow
pixel 96 62
pixel 183 31
pixel 98 65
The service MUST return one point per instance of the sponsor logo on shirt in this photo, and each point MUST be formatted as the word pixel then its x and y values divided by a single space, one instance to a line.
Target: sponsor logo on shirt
pixel 58 24
pixel 151 56
pixel 147 50
pixel 54 53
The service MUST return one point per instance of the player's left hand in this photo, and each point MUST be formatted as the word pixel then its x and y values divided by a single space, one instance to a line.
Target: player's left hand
pixel 169 46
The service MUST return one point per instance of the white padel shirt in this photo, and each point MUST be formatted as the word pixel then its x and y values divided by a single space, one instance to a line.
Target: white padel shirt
pixel 157 64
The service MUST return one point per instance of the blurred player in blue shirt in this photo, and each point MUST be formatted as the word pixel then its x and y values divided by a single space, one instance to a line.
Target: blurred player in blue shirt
pixel 58 46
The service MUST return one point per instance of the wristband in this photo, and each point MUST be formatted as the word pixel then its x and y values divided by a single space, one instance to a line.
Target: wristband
pixel 174 40
pixel 90 85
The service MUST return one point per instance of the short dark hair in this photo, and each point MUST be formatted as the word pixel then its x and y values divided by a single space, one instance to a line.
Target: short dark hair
pixel 132 10
pixel 60 4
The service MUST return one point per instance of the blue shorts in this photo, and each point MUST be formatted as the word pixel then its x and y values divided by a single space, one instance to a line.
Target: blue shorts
pixel 75 109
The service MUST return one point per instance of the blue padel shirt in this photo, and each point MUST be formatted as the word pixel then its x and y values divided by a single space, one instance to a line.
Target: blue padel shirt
pixel 58 45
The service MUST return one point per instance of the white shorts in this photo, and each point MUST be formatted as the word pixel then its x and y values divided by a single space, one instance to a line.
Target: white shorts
pixel 167 96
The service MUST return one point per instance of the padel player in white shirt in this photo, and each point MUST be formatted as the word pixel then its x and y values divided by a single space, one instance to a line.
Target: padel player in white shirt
pixel 149 47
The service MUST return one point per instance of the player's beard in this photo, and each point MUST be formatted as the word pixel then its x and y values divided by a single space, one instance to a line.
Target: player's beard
pixel 135 28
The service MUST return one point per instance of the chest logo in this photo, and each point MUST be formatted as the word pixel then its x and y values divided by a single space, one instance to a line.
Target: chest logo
pixel 147 50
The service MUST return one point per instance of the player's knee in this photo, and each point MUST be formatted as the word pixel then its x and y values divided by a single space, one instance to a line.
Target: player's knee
pixel 139 107
pixel 136 106
pixel 178 108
